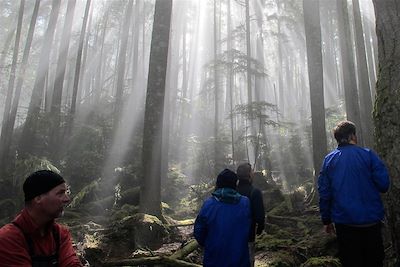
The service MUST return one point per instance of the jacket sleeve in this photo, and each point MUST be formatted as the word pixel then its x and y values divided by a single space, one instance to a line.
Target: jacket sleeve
pixel 259 211
pixel 68 257
pixel 380 174
pixel 200 227
pixel 325 194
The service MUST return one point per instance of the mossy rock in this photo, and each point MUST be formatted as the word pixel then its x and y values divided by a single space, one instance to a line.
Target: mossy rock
pixel 273 243
pixel 283 259
pixel 88 194
pixel 130 196
pixel 125 211
pixel 139 230
pixel 322 262
pixel 275 202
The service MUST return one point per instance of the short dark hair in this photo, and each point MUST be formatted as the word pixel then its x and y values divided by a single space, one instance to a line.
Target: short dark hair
pixel 343 130
pixel 243 170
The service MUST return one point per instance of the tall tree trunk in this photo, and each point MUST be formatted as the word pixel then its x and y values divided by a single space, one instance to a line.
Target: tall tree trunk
pixel 216 94
pixel 28 137
pixel 4 139
pixel 78 70
pixel 6 47
pixel 230 82
pixel 55 111
pixel 122 64
pixel 315 75
pixel 249 83
pixel 150 193
pixel 387 109
pixel 348 70
pixel 363 80
pixel 281 98
pixel 100 62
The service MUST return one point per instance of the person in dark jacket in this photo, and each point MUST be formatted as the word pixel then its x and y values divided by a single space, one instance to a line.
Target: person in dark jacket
pixel 223 224
pixel 245 188
pixel 349 185
pixel 34 238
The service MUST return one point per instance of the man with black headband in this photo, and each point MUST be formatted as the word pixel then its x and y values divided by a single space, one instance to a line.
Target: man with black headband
pixel 33 238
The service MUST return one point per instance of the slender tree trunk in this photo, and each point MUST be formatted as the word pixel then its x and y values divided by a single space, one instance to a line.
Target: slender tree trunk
pixel 363 80
pixel 78 69
pixel 27 141
pixel 230 82
pixel 122 64
pixel 55 111
pixel 281 97
pixel 101 59
pixel 4 139
pixel 7 44
pixel 387 110
pixel 315 74
pixel 216 95
pixel 348 69
pixel 150 193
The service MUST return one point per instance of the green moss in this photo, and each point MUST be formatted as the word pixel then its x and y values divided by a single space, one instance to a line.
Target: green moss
pixel 87 194
pixel 272 243
pixel 322 262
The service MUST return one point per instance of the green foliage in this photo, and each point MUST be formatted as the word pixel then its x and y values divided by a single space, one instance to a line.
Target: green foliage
pixel 274 242
pixel 88 194
pixel 257 110
pixel 85 154
pixel 174 188
pixel 333 115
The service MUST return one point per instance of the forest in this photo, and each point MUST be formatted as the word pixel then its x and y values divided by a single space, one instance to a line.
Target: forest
pixel 139 104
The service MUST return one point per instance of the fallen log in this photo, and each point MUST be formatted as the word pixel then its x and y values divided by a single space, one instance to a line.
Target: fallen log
pixel 185 250
pixel 165 261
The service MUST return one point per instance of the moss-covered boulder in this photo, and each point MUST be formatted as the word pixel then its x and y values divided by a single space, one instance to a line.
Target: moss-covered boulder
pixel 132 232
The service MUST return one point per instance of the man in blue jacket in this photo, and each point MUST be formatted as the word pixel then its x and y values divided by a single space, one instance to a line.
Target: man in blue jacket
pixel 223 225
pixel 349 185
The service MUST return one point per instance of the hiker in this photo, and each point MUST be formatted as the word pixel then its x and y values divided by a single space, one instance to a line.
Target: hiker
pixel 245 188
pixel 223 224
pixel 33 238
pixel 349 185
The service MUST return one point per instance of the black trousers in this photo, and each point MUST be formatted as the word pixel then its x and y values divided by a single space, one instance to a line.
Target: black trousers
pixel 360 246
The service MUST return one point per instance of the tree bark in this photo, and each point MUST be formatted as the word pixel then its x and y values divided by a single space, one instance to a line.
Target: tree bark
pixel 150 194
pixel 55 111
pixel 122 64
pixel 348 70
pixel 363 80
pixel 387 108
pixel 78 69
pixel 315 74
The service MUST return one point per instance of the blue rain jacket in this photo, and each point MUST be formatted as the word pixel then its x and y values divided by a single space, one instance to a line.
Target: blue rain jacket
pixel 222 228
pixel 349 185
